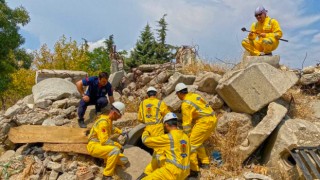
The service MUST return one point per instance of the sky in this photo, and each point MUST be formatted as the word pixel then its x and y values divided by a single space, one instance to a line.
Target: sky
pixel 212 25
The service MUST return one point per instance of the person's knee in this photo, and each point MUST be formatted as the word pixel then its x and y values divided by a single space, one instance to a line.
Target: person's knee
pixel 114 152
pixel 102 102
pixel 245 42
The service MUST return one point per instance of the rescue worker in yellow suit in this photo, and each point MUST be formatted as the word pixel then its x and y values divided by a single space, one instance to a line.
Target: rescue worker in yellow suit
pixel 268 32
pixel 198 122
pixel 151 113
pixel 176 147
pixel 101 146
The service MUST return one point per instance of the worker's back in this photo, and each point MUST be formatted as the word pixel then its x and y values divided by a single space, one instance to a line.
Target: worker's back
pixel 201 107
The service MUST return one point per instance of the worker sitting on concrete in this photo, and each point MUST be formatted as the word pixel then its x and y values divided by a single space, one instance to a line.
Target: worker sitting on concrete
pixel 151 113
pixel 176 147
pixel 95 95
pixel 198 122
pixel 268 32
pixel 101 146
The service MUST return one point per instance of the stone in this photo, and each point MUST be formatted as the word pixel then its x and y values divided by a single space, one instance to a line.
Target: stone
pixel 34 177
pixel 315 106
pixel 116 96
pixel 290 133
pixel 130 76
pixel 160 78
pixel 173 102
pixel 242 121
pixel 249 60
pixel 46 73
pixel 132 86
pixel 53 175
pixel 217 102
pixel 255 176
pixel 73 102
pixel 148 67
pixel 251 89
pixel 261 132
pixel 28 99
pixel 308 70
pixel 49 122
pixel 7 155
pixel 67 176
pixel 178 78
pixel 116 78
pixel 22 149
pixel 56 157
pixel 138 160
pixel 33 118
pixel 73 166
pixel 54 166
pixel 62 104
pixel 207 82
pixel 126 91
pixel 54 89
pixel 313 78
pixel 43 103
pixel 128 117
pixel 144 79
pixel 69 110
pixel 13 110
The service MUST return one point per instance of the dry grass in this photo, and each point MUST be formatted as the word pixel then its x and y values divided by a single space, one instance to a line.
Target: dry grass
pixel 300 104
pixel 201 67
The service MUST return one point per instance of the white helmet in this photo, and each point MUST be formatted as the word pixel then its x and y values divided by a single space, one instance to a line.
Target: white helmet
pixel 119 106
pixel 169 116
pixel 151 89
pixel 180 86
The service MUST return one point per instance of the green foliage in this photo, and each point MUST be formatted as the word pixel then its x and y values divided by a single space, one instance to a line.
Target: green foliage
pixel 109 43
pixel 144 52
pixel 99 60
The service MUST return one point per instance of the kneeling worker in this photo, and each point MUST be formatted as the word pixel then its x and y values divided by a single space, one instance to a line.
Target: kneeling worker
pixel 101 146
pixel 176 147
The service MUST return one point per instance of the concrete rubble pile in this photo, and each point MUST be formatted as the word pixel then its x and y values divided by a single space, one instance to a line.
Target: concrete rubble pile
pixel 247 95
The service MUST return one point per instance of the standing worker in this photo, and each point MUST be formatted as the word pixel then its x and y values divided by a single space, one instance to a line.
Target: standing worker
pixel 151 113
pixel 95 95
pixel 101 146
pixel 268 32
pixel 176 148
pixel 198 122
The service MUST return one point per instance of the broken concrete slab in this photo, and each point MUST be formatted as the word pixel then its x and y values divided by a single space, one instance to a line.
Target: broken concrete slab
pixel 178 78
pixel 52 73
pixel 54 89
pixel 72 148
pixel 7 155
pixel 13 110
pixel 116 78
pixel 138 160
pixel 207 82
pixel 256 136
pixel 251 89
pixel 312 78
pixel 149 67
pixel 290 133
pixel 255 176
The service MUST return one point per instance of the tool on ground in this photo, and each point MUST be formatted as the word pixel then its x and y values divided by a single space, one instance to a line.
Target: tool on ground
pixel 245 30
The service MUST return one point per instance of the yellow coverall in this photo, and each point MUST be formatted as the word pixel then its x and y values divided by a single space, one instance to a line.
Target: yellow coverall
pixel 176 148
pixel 198 121
pixel 151 113
pixel 101 146
pixel 268 44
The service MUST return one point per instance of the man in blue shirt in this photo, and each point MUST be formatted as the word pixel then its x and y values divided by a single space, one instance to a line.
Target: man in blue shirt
pixel 96 93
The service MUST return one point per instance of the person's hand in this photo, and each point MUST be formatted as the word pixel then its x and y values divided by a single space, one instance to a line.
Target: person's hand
pixel 263 35
pixel 85 98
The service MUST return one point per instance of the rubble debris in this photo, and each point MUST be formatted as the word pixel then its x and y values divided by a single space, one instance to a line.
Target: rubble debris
pixel 207 82
pixel 47 73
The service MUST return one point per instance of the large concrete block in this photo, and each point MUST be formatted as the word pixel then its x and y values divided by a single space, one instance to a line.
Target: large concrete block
pixel 116 78
pixel 248 60
pixel 54 89
pixel 255 138
pixel 173 102
pixel 251 89
pixel 46 73
pixel 290 133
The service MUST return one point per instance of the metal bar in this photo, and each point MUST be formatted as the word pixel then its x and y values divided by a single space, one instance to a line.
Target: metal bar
pixel 312 167
pixel 301 165
pixel 315 158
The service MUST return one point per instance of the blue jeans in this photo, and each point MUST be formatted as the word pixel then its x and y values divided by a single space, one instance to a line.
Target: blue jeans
pixel 99 103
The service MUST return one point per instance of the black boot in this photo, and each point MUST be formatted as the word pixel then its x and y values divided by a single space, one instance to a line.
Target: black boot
pixel 81 123
pixel 205 166
pixel 193 174
pixel 107 178
pixel 141 176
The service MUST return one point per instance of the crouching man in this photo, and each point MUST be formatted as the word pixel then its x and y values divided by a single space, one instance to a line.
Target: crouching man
pixel 101 146
pixel 176 148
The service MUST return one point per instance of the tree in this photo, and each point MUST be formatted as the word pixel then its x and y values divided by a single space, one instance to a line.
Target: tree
pixel 163 51
pixel 99 60
pixel 109 44
pixel 10 41
pixel 144 52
